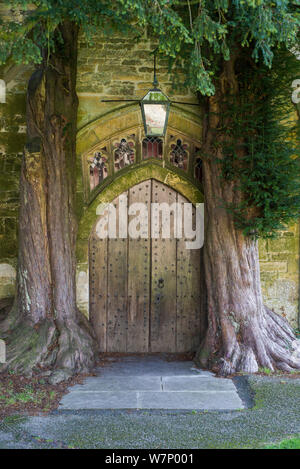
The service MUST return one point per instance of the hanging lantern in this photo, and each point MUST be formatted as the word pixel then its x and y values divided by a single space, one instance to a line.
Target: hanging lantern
pixel 155 108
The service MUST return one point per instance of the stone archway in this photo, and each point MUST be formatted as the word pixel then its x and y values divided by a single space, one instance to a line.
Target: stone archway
pixel 102 136
pixel 178 182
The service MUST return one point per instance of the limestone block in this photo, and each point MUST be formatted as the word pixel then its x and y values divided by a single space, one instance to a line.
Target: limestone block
pixel 274 266
pixel 7 280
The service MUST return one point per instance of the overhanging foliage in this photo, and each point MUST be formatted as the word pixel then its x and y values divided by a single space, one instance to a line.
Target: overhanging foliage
pixel 262 148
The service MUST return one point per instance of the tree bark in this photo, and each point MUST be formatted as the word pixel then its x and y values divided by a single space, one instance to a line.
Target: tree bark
pixel 44 328
pixel 243 335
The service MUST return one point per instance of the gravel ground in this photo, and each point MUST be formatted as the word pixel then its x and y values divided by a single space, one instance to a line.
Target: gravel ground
pixel 275 416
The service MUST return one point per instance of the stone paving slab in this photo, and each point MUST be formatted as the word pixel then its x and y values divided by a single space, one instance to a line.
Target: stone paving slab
pixel 195 383
pixel 192 400
pixel 99 400
pixel 119 383
pixel 181 400
pixel 152 383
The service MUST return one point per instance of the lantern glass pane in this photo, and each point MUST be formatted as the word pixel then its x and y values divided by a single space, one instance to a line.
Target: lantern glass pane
pixel 155 117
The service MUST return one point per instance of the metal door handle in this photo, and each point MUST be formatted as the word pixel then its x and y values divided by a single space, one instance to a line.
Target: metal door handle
pixel 161 283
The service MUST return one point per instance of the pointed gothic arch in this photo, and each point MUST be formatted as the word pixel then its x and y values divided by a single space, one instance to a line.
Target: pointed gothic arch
pixel 100 136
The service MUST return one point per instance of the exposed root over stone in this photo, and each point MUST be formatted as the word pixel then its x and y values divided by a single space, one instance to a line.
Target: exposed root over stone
pixel 65 348
pixel 265 341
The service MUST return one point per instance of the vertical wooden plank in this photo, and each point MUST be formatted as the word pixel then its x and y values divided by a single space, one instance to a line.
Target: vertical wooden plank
pixel 188 321
pixel 163 281
pixel 98 287
pixel 117 291
pixel 139 276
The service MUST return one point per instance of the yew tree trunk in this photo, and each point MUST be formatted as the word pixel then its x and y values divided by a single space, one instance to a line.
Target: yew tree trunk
pixel 243 334
pixel 44 328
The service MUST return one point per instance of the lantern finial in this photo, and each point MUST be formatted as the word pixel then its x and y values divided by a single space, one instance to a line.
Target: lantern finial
pixel 155 80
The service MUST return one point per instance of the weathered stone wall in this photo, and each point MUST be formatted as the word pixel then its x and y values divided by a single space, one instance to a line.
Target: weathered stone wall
pixel 12 139
pixel 279 261
pixel 121 68
pixel 117 68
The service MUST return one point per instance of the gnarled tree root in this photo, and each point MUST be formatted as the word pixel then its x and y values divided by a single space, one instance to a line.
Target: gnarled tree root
pixel 65 348
pixel 261 341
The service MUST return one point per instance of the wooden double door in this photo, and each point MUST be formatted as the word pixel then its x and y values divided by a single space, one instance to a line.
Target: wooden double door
pixel 145 292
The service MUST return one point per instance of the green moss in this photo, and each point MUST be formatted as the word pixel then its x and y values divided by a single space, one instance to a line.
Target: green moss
pixel 13 116
pixel 82 251
pixel 79 205
pixel 266 371
pixel 12 143
pixel 283 244
pixel 291 443
pixel 8 247
pixel 13 419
